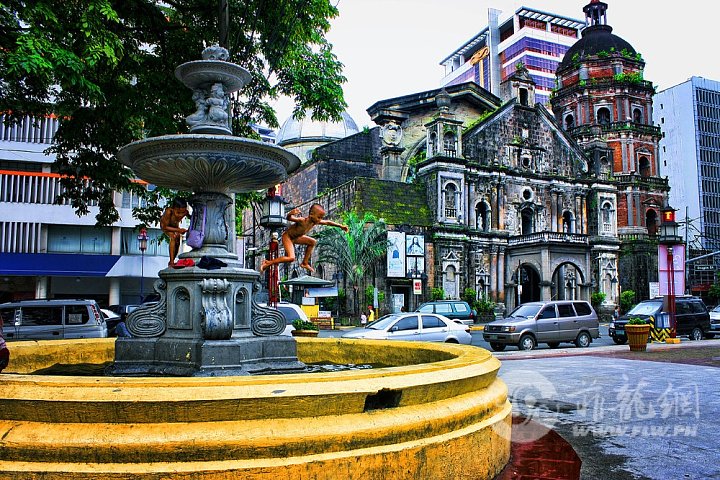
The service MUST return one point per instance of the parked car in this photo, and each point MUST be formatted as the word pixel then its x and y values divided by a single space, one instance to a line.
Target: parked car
pixel 52 319
pixel 550 322
pixel 452 309
pixel 291 312
pixel 427 327
pixel 714 323
pixel 123 310
pixel 111 320
pixel 693 319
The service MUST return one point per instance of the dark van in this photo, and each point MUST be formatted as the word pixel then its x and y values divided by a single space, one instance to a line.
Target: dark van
pixel 693 319
pixel 52 320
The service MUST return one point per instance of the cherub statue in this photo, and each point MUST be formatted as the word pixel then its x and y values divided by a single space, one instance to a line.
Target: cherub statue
pixel 296 233
pixel 217 112
pixel 200 115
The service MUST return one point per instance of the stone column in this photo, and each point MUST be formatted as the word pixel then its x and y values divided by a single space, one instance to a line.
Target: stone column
pixel 501 276
pixel 114 291
pixel 472 198
pixel 493 272
pixel 630 208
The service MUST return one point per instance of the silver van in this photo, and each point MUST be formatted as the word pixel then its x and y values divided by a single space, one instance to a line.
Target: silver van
pixel 52 320
pixel 549 322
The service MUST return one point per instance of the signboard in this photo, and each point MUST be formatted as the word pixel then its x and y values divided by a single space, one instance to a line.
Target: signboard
pixel 654 289
pixel 415 245
pixel 321 292
pixel 396 254
pixel 676 270
pixel 417 286
pixel 415 266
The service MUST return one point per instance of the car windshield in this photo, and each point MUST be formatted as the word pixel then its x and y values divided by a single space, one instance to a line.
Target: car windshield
pixel 716 309
pixel 526 311
pixel 382 322
pixel 645 308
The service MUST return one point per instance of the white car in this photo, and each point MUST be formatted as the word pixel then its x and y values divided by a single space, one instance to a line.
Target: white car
pixel 291 312
pixel 714 323
pixel 425 327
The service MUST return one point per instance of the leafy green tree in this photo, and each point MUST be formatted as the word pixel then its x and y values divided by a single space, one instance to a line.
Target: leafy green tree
pixel 354 252
pixel 437 293
pixel 105 67
pixel 627 300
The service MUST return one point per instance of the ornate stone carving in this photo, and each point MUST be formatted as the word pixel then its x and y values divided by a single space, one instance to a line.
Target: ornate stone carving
pixel 511 223
pixel 216 322
pixel 265 320
pixel 150 320
pixel 391 134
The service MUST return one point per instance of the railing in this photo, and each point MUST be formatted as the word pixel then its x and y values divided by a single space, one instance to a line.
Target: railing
pixel 450 212
pixel 635 179
pixel 32 187
pixel 29 129
pixel 19 237
pixel 616 127
pixel 548 237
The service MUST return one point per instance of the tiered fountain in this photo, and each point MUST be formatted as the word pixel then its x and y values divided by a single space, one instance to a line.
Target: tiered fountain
pixel 430 411
pixel 207 322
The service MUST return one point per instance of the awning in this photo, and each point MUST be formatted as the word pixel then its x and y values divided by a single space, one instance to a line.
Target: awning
pixel 56 264
pixel 134 265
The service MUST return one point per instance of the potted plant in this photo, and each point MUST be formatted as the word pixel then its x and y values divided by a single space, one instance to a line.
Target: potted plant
pixel 485 309
pixel 304 328
pixel 637 330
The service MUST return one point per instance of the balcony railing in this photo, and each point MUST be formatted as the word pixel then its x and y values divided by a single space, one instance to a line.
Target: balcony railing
pixel 31 187
pixel 29 129
pixel 635 179
pixel 548 237
pixel 617 127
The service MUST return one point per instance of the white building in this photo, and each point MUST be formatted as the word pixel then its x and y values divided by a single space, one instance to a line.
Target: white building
pixel 689 116
pixel 46 250
pixel 535 38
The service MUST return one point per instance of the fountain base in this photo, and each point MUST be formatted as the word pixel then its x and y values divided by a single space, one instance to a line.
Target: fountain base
pixel 205 358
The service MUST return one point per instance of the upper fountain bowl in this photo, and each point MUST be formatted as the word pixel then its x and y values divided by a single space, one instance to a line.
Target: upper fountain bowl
pixel 208 163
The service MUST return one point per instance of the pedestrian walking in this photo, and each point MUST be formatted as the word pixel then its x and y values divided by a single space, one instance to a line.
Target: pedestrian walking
pixel 4 352
pixel 616 313
pixel 363 319
pixel 371 317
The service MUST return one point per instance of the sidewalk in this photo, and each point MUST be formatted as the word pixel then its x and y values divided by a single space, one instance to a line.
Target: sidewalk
pixel 627 418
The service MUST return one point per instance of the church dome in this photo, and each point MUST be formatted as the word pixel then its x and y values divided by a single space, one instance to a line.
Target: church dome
pixel 306 129
pixel 596 39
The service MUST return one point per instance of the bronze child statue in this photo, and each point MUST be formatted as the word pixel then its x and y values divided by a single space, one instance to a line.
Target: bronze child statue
pixel 296 233
pixel 170 225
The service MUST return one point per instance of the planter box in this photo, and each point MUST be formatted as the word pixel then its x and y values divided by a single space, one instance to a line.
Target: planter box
pixel 637 337
pixel 305 333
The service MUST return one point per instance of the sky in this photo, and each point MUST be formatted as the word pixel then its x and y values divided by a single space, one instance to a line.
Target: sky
pixel 394 47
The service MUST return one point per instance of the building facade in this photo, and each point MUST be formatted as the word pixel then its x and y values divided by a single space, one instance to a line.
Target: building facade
pixel 605 104
pixel 537 39
pixel 689 115
pixel 46 250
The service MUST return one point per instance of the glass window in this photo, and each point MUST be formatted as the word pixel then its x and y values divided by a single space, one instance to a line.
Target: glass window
pixel 77 314
pixel 428 321
pixel 442 308
pixel 582 308
pixel 289 313
pixel 426 309
pixel 548 312
pixel 646 308
pixel 566 310
pixel 461 307
pixel 41 316
pixel 8 316
pixel 697 307
pixel 682 308
pixel 526 311
pixel 407 323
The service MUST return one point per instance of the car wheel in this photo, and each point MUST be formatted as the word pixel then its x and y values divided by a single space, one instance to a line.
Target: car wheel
pixel 620 340
pixel 498 347
pixel 553 344
pixel 696 334
pixel 527 342
pixel 583 340
pixel 451 340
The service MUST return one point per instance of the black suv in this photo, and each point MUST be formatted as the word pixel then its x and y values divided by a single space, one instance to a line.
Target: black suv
pixel 691 315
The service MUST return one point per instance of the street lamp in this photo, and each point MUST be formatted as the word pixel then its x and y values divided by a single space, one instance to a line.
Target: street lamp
pixel 142 245
pixel 273 218
pixel 669 240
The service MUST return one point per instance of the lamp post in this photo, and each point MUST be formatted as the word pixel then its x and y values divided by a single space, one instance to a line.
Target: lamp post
pixel 142 245
pixel 273 218
pixel 669 241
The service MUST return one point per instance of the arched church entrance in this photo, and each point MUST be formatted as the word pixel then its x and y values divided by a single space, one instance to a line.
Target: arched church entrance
pixel 566 281
pixel 528 284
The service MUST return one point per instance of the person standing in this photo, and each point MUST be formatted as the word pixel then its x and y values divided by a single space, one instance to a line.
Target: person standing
pixel 363 319
pixel 4 352
pixel 616 314
pixel 371 316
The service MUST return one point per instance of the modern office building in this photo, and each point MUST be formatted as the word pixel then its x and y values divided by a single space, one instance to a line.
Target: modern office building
pixel 535 38
pixel 689 115
pixel 46 250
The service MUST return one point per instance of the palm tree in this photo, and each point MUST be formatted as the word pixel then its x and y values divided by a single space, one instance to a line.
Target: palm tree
pixel 353 252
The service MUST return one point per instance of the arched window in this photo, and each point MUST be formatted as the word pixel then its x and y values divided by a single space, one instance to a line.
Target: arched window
pixel 603 116
pixel 569 122
pixel 450 200
pixel 644 166
pixel 524 97
pixel 482 214
pixel 568 222
pixel 450 144
pixel 606 218
pixel 450 282
pixel 432 147
pixel 527 226
pixel 651 222
pixel 637 116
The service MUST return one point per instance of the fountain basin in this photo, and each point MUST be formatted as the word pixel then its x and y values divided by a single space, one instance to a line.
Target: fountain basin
pixel 208 163
pixel 439 412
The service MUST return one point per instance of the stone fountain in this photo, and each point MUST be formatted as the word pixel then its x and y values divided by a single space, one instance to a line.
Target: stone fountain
pixel 207 322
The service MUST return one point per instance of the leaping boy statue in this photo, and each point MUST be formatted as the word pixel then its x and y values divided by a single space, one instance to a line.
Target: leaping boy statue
pixel 297 233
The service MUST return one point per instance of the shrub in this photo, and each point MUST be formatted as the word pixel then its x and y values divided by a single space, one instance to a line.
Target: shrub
pixel 369 297
pixel 637 321
pixel 597 299
pixel 469 295
pixel 627 300
pixel 484 305
pixel 300 324
pixel 437 293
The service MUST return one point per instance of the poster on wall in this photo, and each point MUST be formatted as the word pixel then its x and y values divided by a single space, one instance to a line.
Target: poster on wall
pixel 396 254
pixel 415 245
pixel 415 266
